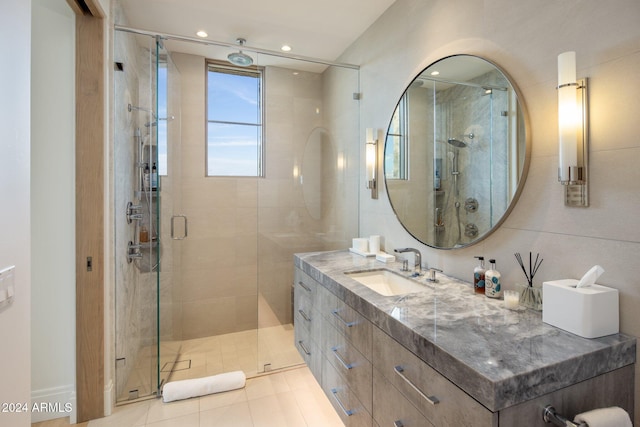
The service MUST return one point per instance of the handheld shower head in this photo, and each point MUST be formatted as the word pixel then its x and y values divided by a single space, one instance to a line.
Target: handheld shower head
pixel 457 143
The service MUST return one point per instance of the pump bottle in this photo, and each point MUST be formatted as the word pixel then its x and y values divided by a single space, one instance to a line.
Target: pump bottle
pixel 492 286
pixel 479 276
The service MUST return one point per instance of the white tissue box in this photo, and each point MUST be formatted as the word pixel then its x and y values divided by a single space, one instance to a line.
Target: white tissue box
pixel 589 312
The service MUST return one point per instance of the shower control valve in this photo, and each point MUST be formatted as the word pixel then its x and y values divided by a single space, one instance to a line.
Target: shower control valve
pixel 471 205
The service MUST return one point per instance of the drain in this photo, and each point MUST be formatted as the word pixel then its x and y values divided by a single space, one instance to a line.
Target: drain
pixel 179 365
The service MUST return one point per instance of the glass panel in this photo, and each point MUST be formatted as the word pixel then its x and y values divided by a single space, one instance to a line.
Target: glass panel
pixel 308 198
pixel 135 249
pixel 169 205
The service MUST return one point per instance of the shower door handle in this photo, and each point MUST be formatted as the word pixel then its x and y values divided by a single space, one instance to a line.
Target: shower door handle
pixel 173 221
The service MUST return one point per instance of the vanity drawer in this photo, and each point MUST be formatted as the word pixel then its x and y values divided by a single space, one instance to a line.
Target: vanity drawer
pixel 344 400
pixel 309 350
pixel 391 408
pixel 350 364
pixel 305 285
pixel 348 322
pixel 303 309
pixel 408 373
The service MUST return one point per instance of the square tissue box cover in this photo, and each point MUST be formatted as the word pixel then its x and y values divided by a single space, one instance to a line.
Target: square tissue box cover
pixel 589 312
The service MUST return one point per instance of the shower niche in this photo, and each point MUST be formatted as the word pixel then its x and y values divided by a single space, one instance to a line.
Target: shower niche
pixel 456 152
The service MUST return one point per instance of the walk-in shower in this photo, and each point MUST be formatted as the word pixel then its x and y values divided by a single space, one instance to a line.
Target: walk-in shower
pixel 203 264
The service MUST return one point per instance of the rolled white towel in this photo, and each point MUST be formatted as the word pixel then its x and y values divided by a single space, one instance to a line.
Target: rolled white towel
pixel 605 417
pixel 184 389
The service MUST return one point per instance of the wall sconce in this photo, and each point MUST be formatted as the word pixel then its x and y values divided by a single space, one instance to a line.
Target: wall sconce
pixel 371 158
pixel 573 132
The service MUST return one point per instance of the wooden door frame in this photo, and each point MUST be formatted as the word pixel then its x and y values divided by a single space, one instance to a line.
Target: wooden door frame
pixel 90 208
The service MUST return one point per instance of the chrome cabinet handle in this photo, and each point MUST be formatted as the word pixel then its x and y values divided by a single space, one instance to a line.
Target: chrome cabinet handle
pixel 305 287
pixel 398 424
pixel 431 399
pixel 304 315
pixel 346 365
pixel 301 344
pixel 347 324
pixel 347 412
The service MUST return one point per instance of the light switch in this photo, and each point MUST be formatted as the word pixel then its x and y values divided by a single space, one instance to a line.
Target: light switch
pixel 7 285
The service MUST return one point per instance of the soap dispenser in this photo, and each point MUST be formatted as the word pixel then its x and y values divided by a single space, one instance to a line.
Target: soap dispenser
pixel 479 276
pixel 492 287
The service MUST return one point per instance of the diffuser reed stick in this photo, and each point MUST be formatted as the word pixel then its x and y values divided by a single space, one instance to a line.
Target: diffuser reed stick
pixel 533 266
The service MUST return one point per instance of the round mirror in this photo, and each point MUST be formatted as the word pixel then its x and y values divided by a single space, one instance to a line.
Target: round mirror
pixel 456 152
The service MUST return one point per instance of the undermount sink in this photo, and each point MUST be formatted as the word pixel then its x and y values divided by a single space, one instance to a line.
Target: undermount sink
pixel 387 283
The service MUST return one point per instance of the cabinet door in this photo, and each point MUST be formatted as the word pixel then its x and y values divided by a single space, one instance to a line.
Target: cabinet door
pixel 308 348
pixel 438 399
pixel 391 408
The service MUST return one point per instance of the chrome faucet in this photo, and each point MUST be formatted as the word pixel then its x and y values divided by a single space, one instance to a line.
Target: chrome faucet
pixel 417 257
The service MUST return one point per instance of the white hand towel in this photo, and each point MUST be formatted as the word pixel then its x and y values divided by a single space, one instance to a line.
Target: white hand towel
pixel 184 389
pixel 605 417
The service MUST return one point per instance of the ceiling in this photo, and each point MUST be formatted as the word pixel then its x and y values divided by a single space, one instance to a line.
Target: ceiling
pixel 320 29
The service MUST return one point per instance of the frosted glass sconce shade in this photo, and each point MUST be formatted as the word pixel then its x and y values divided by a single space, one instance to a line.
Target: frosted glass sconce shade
pixel 371 161
pixel 572 131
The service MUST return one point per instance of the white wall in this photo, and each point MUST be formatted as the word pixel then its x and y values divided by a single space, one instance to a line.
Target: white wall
pixel 53 206
pixel 525 41
pixel 15 33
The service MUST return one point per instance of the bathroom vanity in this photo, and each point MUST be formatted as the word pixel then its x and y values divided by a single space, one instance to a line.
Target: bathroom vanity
pixel 443 355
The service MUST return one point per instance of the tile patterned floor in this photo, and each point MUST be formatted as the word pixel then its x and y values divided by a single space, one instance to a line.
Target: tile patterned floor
pixel 247 351
pixel 281 399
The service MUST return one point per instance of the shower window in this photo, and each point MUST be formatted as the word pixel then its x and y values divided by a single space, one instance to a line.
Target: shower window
pixel 234 121
pixel 396 145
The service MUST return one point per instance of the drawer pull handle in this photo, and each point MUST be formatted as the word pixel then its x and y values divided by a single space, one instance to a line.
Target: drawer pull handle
pixel 304 315
pixel 347 324
pixel 301 344
pixel 346 365
pixel 398 424
pixel 431 399
pixel 305 287
pixel 347 412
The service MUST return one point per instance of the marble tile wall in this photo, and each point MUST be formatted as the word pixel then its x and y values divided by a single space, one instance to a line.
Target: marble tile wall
pixel 525 41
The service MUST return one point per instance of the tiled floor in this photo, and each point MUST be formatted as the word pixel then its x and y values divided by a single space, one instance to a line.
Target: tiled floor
pixel 247 351
pixel 284 398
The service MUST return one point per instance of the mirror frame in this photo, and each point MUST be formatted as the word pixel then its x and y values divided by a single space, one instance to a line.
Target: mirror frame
pixel 525 166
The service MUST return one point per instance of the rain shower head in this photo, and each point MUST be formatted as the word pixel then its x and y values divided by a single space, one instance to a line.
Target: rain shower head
pixel 457 143
pixel 239 58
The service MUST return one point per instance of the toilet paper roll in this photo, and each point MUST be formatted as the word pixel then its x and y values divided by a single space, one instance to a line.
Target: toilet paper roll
pixel 360 244
pixel 374 244
pixel 605 417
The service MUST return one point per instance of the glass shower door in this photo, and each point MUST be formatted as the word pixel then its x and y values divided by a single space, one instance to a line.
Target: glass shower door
pixel 173 227
pixel 147 100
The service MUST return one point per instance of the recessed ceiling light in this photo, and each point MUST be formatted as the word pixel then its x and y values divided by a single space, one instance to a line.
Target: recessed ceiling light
pixel 202 34
pixel 285 48
pixel 435 73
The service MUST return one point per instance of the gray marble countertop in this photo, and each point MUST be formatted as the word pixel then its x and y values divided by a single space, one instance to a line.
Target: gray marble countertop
pixel 498 356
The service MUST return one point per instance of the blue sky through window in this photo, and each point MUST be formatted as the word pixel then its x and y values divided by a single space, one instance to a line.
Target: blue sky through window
pixel 234 130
